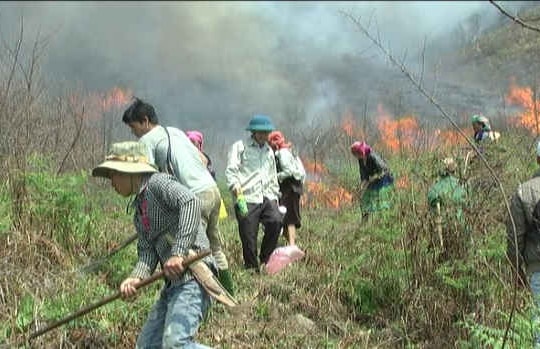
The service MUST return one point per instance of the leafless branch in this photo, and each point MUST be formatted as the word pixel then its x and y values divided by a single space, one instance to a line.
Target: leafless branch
pixel 79 121
pixel 422 62
pixel 514 18
pixel 15 57
pixel 37 50
pixel 443 112
pixel 435 77
pixel 532 19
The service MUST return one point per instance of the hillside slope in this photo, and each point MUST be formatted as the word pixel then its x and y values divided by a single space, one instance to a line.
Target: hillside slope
pixel 505 51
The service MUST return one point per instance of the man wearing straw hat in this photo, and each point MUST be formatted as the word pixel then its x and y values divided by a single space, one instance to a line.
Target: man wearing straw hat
pixel 447 198
pixel 172 152
pixel 167 217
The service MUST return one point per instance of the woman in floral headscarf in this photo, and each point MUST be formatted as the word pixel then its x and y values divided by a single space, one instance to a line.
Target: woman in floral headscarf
pixel 376 181
pixel 290 177
pixel 196 137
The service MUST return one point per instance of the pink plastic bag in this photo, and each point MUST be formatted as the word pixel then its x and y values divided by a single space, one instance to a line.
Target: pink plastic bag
pixel 283 256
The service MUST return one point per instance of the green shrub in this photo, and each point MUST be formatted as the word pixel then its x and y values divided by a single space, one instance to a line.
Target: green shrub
pixel 59 204
pixel 483 336
pixel 5 218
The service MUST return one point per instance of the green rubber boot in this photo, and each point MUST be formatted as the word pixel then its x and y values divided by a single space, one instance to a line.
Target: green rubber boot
pixel 225 278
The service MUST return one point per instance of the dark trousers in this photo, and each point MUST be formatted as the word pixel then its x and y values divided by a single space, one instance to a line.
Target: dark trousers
pixel 266 213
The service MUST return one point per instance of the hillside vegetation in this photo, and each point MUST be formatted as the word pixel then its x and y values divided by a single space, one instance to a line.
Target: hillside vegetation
pixel 505 51
pixel 379 282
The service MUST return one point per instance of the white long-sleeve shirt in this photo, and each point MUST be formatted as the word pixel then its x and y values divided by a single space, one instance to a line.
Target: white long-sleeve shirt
pixel 253 168
pixel 185 158
pixel 289 166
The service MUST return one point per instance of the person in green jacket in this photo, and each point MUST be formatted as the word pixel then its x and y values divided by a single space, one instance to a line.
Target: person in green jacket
pixel 447 188
pixel 446 198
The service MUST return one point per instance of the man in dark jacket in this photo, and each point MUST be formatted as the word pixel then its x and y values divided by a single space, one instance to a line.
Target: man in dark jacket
pixel 526 254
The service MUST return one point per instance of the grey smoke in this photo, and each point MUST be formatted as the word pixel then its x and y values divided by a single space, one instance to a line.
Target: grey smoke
pixel 210 66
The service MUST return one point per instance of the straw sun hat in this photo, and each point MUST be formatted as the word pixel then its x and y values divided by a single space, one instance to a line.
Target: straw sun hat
pixel 126 157
pixel 450 165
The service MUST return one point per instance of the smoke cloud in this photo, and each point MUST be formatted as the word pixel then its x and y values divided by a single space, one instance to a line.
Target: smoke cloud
pixel 207 65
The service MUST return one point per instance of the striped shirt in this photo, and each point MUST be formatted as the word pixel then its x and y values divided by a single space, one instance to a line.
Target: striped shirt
pixel 168 222
pixel 253 168
pixel 185 158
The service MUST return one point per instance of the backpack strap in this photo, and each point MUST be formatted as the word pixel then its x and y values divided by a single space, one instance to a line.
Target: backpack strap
pixel 277 161
pixel 536 217
pixel 170 169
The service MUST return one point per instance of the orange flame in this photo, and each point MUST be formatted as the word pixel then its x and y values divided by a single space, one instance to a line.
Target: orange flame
pixel 448 137
pixel 349 126
pixel 320 194
pixel 403 182
pixel 396 134
pixel 315 168
pixel 97 103
pixel 524 97
pixel 116 98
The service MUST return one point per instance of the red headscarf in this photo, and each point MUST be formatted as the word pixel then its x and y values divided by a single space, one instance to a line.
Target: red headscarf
pixel 360 148
pixel 277 141
pixel 196 136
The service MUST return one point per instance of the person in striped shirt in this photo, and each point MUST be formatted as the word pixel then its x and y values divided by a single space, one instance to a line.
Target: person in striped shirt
pixel 167 218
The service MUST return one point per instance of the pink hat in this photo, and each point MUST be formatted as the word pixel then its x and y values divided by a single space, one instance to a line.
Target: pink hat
pixel 360 148
pixel 196 136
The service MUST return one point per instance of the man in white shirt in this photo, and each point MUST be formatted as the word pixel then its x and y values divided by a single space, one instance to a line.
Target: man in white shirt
pixel 171 151
pixel 251 173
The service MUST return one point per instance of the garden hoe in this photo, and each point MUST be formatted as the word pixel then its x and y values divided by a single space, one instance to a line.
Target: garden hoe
pixel 438 223
pixel 95 264
pixel 187 261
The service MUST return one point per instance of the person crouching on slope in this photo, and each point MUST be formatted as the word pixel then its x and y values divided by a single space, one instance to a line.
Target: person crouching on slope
pixel 376 181
pixel 167 217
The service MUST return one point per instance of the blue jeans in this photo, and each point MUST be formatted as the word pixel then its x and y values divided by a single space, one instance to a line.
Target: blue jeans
pixel 175 318
pixel 535 290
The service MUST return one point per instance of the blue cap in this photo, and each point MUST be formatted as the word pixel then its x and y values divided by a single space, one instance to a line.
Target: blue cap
pixel 260 123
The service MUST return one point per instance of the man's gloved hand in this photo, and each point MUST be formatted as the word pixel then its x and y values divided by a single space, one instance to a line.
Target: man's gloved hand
pixel 236 189
pixel 241 203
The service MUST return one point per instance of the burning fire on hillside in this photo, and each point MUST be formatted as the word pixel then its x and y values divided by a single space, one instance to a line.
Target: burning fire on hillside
pixel 349 126
pixel 97 103
pixel 116 98
pixel 525 98
pixel 396 134
pixel 319 194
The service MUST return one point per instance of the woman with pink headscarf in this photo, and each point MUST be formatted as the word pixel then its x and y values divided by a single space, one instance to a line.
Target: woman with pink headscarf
pixel 196 137
pixel 290 178
pixel 224 275
pixel 376 181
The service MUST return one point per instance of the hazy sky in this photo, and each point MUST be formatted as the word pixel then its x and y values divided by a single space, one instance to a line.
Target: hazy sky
pixel 199 62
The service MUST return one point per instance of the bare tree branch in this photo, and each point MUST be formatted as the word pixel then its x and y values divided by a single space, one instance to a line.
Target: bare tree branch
pixel 430 98
pixel 78 119
pixel 422 62
pixel 37 51
pixel 514 18
pixel 15 57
